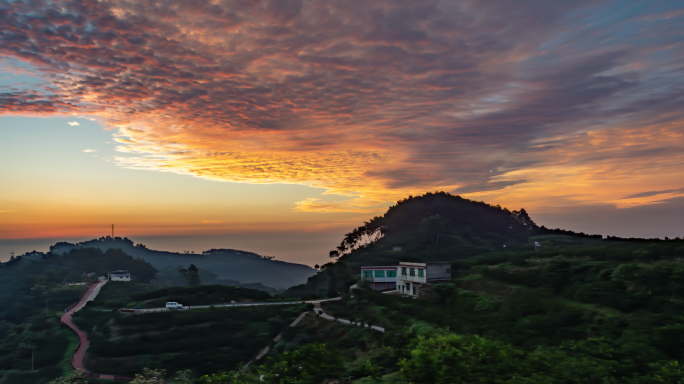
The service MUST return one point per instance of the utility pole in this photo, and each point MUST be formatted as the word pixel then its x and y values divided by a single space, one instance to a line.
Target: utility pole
pixel 112 231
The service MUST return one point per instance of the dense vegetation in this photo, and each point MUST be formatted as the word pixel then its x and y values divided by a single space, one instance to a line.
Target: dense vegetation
pixel 203 341
pixel 438 227
pixel 580 309
pixel 32 299
pixel 178 276
pixel 129 295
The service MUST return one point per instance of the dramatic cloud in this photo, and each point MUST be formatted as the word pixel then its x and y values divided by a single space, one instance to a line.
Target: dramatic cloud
pixel 578 101
pixel 654 193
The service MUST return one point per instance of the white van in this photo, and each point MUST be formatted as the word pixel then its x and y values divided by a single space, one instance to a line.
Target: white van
pixel 173 305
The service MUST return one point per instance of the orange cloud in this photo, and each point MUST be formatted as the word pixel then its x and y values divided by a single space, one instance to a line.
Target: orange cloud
pixel 371 101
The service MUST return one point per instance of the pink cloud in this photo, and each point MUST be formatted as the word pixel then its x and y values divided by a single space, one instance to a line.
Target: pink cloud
pixel 373 100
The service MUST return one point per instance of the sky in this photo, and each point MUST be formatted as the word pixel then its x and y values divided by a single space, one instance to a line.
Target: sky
pixel 279 125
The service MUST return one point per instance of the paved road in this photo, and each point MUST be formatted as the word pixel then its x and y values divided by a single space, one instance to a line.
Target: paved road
pixel 186 307
pixel 91 293
pixel 319 310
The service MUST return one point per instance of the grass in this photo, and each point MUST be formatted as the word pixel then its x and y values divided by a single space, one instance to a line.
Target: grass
pixel 65 364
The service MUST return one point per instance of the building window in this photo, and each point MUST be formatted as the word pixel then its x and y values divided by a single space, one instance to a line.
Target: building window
pixel 379 273
pixel 403 271
pixel 391 273
pixel 420 273
pixel 367 273
pixel 412 272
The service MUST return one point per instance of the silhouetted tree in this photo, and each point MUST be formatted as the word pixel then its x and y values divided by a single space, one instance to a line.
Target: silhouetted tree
pixel 192 276
pixel 524 218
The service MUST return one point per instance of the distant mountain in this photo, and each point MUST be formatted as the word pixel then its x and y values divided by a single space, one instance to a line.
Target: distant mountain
pixel 229 264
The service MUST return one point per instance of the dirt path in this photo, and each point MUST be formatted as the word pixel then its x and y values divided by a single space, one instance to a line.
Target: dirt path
pixel 91 293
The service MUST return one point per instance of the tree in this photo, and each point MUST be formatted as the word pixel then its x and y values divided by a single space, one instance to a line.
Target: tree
pixel 150 376
pixel 452 358
pixel 363 236
pixel 445 293
pixel 433 227
pixel 375 372
pixel 192 276
pixel 76 377
pixel 524 218
pixel 332 282
pixel 312 363
pixel 226 378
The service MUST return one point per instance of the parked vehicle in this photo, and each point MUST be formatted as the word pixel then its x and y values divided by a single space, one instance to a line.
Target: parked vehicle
pixel 173 305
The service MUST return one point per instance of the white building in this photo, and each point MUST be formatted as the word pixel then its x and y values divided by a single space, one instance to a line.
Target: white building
pixel 414 277
pixel 120 275
pixel 383 277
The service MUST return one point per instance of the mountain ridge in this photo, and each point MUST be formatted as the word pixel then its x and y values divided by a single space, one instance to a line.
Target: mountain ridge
pixel 242 266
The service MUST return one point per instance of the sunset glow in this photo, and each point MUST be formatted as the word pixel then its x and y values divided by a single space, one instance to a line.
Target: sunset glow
pixel 340 108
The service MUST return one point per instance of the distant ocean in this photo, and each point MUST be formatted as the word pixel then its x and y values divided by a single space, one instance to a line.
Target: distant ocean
pixel 304 247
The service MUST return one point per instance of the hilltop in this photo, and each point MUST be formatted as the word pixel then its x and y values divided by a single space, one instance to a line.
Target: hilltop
pixel 439 227
pixel 230 265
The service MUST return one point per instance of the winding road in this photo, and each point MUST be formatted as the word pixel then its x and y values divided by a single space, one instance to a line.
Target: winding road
pixel 91 293
pixel 94 290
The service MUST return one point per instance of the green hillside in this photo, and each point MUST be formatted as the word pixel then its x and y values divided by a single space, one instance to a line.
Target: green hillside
pixel 433 227
pixel 579 309
pixel 202 340
pixel 32 299
pixel 129 295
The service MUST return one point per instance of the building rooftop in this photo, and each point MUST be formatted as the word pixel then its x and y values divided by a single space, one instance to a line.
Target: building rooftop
pixel 119 272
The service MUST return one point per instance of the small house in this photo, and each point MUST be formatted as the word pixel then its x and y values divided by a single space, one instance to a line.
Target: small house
pixel 382 277
pixel 416 277
pixel 119 275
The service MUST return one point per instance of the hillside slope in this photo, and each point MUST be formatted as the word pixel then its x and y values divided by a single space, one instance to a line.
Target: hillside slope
pixel 434 227
pixel 242 266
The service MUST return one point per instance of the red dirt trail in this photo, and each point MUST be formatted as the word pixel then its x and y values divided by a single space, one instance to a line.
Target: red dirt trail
pixel 77 359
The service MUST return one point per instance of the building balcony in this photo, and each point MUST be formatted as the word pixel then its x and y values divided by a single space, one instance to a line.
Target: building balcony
pixel 380 279
pixel 413 279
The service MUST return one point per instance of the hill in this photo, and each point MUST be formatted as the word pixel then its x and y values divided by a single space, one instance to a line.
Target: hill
pixel 202 340
pixel 438 227
pixel 32 299
pixel 228 264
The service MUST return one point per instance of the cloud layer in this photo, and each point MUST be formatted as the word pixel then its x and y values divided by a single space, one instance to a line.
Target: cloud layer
pixel 577 101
